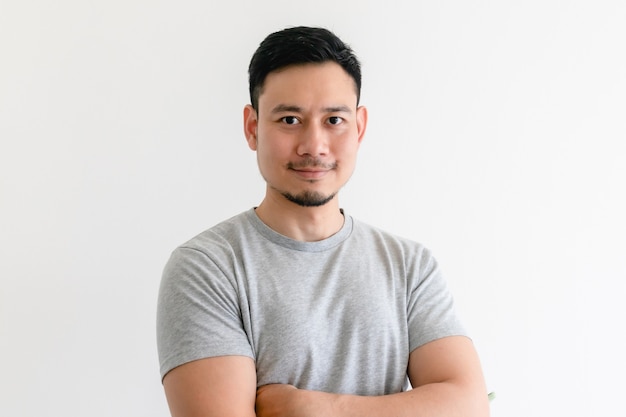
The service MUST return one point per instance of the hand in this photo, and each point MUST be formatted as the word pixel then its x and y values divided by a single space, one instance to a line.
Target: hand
pixel 282 400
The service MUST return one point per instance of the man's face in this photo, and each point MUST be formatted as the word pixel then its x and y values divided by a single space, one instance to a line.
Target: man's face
pixel 306 132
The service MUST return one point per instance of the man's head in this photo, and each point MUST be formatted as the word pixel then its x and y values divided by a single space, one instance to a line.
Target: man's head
pixel 297 46
pixel 304 123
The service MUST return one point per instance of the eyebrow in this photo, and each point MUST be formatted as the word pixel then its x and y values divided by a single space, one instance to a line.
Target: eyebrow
pixel 288 108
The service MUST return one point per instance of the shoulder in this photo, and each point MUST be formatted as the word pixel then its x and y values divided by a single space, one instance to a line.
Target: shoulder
pixel 222 236
pixel 210 262
pixel 382 240
pixel 215 249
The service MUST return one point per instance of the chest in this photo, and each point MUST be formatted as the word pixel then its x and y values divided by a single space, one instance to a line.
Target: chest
pixel 312 316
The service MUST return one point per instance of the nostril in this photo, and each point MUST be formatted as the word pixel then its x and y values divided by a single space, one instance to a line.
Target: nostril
pixel 313 143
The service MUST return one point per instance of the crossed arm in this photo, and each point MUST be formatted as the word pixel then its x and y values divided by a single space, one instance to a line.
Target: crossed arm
pixel 446 376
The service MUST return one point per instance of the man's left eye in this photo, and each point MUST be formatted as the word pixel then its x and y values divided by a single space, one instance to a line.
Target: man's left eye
pixel 335 120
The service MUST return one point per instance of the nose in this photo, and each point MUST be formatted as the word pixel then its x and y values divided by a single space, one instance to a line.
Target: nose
pixel 313 141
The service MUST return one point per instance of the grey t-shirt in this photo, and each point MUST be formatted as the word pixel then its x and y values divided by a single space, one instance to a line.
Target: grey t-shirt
pixel 338 315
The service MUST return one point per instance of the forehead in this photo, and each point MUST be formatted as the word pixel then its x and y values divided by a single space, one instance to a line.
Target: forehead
pixel 309 83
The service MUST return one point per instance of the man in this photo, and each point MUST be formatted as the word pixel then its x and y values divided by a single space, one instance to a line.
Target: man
pixel 294 308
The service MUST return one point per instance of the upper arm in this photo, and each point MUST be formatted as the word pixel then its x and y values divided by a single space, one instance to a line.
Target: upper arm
pixel 217 386
pixel 452 360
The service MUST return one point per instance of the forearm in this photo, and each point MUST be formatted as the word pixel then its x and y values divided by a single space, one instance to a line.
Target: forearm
pixel 443 399
pixel 446 375
pixel 431 400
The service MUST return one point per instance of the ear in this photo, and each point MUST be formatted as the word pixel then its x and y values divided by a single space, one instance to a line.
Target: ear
pixel 361 121
pixel 250 126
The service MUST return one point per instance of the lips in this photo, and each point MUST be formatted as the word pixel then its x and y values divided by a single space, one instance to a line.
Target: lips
pixel 311 165
pixel 311 173
pixel 311 169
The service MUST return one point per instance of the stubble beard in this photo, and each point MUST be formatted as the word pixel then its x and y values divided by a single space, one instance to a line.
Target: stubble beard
pixel 309 198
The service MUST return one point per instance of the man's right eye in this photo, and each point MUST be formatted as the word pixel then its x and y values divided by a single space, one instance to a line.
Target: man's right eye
pixel 290 120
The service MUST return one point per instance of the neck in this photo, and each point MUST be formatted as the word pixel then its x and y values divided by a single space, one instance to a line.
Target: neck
pixel 309 224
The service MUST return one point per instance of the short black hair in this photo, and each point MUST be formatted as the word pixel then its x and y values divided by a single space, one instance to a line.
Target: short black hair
pixel 297 46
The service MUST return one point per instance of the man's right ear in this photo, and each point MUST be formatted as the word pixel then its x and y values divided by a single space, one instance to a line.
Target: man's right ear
pixel 250 126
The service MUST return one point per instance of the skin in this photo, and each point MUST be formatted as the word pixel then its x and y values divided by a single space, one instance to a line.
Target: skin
pixel 306 133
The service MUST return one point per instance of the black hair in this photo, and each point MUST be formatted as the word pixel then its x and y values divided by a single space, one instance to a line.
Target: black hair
pixel 296 46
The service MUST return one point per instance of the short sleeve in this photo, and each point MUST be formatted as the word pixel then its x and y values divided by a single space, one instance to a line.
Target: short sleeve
pixel 431 310
pixel 198 311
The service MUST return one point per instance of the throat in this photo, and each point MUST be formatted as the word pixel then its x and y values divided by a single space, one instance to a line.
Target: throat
pixel 303 223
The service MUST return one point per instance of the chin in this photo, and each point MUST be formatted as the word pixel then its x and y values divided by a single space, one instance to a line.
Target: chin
pixel 310 198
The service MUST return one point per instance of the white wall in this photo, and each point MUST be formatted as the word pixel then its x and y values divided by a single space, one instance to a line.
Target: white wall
pixel 496 138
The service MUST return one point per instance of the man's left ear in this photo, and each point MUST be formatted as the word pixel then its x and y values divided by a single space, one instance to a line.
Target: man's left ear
pixel 361 121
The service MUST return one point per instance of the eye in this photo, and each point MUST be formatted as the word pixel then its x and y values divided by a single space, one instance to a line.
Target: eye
pixel 290 120
pixel 335 120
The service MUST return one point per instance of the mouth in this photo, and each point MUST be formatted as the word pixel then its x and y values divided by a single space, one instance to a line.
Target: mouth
pixel 311 169
pixel 309 173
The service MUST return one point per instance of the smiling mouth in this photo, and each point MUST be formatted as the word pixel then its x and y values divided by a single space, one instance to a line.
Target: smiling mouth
pixel 311 168
pixel 311 174
pixel 311 165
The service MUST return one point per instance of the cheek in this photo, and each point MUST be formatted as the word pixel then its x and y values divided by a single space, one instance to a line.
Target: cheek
pixel 347 150
pixel 278 147
pixel 269 157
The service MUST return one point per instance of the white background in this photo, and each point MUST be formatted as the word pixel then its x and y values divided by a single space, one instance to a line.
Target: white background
pixel 496 138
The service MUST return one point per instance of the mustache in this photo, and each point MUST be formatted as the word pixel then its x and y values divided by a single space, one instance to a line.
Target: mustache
pixel 311 163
